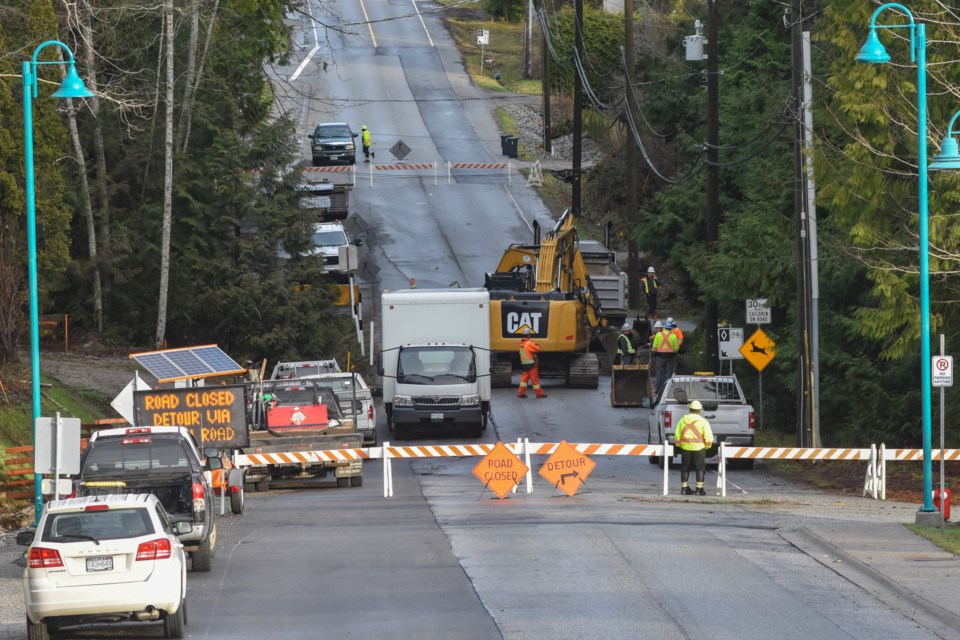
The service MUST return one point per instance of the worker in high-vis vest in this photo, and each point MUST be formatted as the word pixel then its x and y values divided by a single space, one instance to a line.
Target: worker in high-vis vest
pixel 675 330
pixel 529 364
pixel 665 346
pixel 626 352
pixel 693 436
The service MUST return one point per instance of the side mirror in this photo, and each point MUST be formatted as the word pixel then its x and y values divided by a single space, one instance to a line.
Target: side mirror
pixel 181 527
pixel 355 135
pixel 25 538
pixel 210 452
pixel 358 241
pixel 310 135
pixel 214 462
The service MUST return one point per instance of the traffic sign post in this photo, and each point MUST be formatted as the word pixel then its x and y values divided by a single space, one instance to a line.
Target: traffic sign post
pixel 500 470
pixel 483 39
pixel 942 368
pixel 567 469
pixel 941 375
pixel 759 350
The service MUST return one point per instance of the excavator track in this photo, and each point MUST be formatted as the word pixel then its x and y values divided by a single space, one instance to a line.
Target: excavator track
pixel 584 371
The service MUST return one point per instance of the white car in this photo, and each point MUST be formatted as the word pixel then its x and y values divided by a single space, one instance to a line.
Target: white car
pixel 104 559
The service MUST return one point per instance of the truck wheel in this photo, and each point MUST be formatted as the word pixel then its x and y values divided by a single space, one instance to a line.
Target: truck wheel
pixel 263 485
pixel 37 631
pixel 343 482
pixel 173 622
pixel 235 481
pixel 203 557
pixel 356 481
pixel 654 459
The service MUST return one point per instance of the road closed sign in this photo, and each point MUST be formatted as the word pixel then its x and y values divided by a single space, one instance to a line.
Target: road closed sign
pixel 942 371
pixel 216 415
pixel 500 470
pixel 567 469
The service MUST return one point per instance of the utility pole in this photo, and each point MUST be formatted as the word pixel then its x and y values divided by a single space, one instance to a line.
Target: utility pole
pixel 804 396
pixel 545 89
pixel 713 169
pixel 633 259
pixel 528 41
pixel 577 115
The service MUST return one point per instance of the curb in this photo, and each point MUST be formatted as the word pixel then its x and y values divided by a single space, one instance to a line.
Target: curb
pixel 935 619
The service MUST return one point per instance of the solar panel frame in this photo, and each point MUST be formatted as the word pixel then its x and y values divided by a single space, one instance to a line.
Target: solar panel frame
pixel 187 363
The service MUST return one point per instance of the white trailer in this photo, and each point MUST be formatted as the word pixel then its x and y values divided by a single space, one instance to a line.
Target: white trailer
pixel 435 362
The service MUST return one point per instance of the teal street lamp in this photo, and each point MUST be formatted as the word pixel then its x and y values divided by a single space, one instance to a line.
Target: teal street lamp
pixel 949 156
pixel 71 87
pixel 873 52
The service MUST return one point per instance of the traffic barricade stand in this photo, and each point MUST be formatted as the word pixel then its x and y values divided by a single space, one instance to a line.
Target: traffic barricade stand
pixel 786 453
pixel 908 455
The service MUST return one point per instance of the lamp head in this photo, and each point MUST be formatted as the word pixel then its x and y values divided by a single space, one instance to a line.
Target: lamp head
pixel 72 86
pixel 949 156
pixel 873 51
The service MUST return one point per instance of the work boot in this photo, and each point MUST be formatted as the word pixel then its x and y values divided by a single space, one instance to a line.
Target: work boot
pixel 541 396
pixel 701 491
pixel 686 491
pixel 522 395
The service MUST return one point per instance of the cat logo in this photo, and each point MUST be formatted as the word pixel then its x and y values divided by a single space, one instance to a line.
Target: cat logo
pixel 520 316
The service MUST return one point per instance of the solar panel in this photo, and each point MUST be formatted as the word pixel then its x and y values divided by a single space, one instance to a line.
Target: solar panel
pixel 189 362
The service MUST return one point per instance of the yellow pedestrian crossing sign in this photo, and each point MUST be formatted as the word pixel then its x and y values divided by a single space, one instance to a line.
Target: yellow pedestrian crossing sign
pixel 759 350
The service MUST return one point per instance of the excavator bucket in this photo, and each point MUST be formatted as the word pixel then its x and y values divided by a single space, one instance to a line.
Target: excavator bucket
pixel 631 384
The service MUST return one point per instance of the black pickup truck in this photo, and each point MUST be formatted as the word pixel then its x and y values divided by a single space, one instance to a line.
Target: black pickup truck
pixel 166 462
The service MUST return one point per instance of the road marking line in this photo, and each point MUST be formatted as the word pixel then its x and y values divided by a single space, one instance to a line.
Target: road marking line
pixel 373 37
pixel 420 15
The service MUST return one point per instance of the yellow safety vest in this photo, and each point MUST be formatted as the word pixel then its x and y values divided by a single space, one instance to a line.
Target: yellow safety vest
pixel 693 433
pixel 663 344
pixel 630 348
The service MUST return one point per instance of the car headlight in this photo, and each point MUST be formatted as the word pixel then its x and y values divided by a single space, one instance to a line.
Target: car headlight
pixel 470 401
pixel 402 401
pixel 351 146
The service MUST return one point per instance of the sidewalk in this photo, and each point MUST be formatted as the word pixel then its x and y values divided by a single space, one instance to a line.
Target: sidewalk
pixel 908 573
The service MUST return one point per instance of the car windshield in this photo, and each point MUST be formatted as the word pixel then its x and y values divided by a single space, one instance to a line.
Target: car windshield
pixel 444 365
pixel 109 456
pixel 106 524
pixel 329 238
pixel 333 131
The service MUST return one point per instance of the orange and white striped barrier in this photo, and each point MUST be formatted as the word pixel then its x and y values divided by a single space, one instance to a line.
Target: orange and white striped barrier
pixel 908 455
pixel 296 457
pixel 481 166
pixel 523 448
pixel 404 166
pixel 351 169
pixel 797 453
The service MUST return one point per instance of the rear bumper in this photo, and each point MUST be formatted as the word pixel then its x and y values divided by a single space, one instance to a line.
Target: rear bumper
pixel 45 598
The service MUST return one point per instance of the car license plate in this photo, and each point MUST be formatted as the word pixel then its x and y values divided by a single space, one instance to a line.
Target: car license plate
pixel 100 563
pixel 436 416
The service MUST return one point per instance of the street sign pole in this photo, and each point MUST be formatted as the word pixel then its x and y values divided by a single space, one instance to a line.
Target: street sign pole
pixel 942 389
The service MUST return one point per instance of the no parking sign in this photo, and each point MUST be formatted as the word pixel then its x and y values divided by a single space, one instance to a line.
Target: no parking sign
pixel 942 371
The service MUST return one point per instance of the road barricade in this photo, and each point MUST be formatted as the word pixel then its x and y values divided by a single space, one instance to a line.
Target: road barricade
pixel 798 453
pixel 908 455
pixel 480 166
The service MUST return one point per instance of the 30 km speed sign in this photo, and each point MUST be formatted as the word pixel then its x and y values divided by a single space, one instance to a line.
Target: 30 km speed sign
pixel 757 311
pixel 942 371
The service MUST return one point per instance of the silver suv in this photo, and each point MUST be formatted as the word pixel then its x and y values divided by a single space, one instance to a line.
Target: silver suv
pixel 333 142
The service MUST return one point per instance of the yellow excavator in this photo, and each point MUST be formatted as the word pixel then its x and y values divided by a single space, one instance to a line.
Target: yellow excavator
pixel 545 287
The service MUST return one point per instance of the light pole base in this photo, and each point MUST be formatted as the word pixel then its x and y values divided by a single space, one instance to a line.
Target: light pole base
pixel 928 518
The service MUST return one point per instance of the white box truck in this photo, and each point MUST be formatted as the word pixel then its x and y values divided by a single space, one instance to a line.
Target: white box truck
pixel 435 361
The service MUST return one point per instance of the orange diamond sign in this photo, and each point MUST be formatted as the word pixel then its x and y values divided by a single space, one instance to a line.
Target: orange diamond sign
pixel 567 469
pixel 759 350
pixel 500 470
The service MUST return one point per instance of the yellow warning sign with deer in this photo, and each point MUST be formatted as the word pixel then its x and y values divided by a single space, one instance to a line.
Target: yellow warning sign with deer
pixel 759 349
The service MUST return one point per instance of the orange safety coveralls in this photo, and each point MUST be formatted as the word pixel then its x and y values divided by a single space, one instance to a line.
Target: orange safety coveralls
pixel 528 355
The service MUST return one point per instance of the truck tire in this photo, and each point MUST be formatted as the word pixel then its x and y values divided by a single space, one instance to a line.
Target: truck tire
pixel 37 631
pixel 173 622
pixel 343 482
pixel 203 557
pixel 356 481
pixel 654 459
pixel 236 501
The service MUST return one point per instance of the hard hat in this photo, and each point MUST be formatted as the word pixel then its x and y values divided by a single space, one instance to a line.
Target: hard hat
pixel 526 331
pixel 696 406
pixel 658 325
pixel 651 270
pixel 670 323
pixel 363 127
pixel 626 327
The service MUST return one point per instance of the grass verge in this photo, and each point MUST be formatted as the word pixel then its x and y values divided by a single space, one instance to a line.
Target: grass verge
pixel 949 540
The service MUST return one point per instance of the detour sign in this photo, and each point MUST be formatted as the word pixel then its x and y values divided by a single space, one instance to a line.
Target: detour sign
pixel 216 416
pixel 500 470
pixel 567 469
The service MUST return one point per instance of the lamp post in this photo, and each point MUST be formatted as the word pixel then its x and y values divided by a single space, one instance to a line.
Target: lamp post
pixel 71 87
pixel 873 52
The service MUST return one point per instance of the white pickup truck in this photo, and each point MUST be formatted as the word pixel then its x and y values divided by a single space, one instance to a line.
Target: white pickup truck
pixel 728 411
